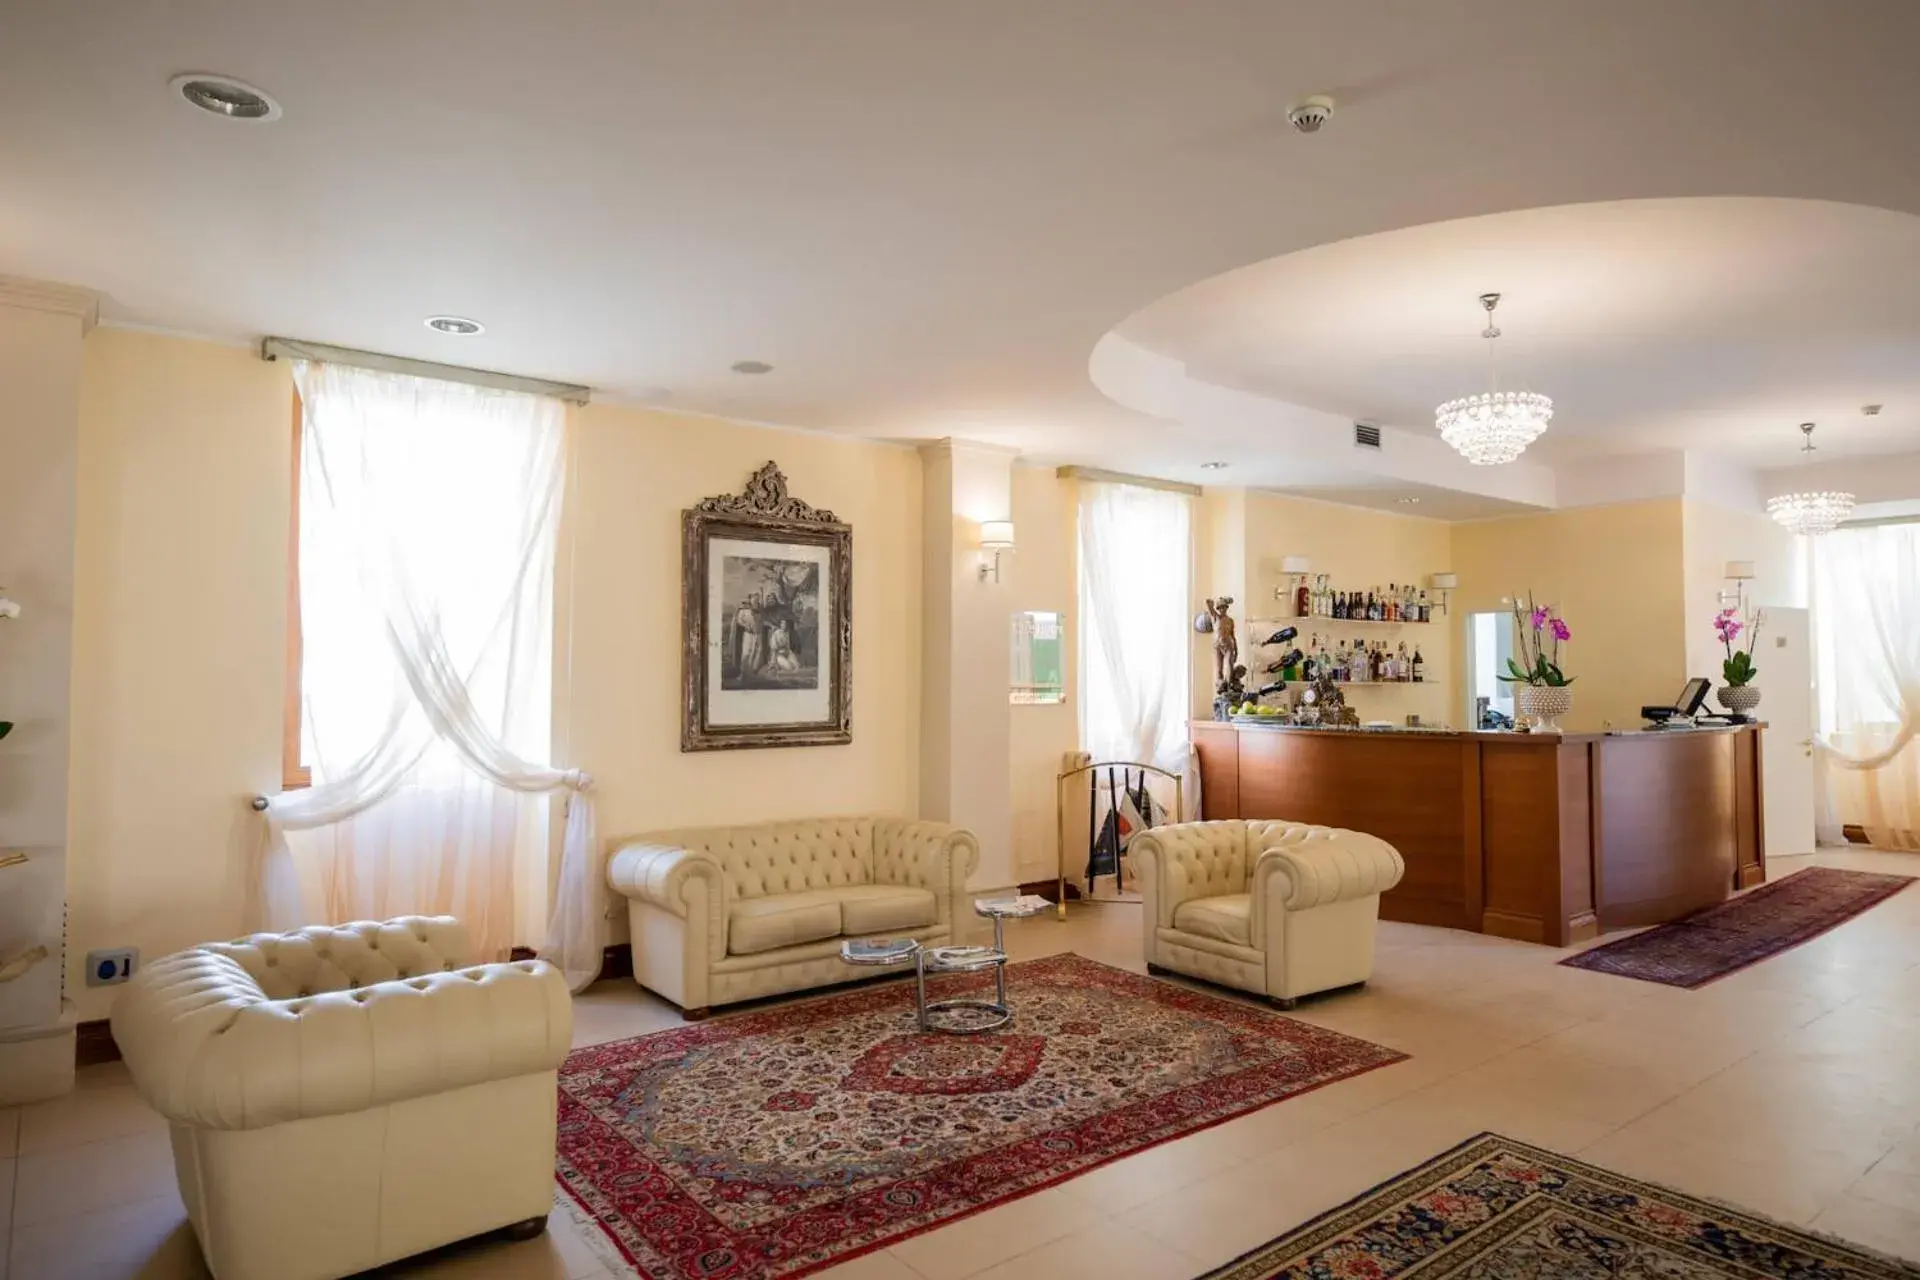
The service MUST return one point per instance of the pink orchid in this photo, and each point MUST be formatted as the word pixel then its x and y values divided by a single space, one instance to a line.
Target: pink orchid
pixel 1539 619
pixel 1561 631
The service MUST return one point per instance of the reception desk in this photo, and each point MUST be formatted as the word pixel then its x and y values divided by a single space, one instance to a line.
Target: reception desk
pixel 1546 838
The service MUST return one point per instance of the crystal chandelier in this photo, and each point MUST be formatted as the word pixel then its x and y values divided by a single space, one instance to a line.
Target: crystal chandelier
pixel 1812 513
pixel 1495 426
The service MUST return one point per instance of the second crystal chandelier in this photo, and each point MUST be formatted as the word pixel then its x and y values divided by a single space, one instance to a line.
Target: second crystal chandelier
pixel 1495 426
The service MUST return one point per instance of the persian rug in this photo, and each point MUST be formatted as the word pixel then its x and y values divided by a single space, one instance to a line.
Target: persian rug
pixel 1496 1209
pixel 1731 935
pixel 777 1142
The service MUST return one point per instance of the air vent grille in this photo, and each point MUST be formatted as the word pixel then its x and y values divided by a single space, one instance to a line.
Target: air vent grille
pixel 1366 435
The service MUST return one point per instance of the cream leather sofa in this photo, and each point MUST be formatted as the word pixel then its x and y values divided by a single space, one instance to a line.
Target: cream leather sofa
pixel 1281 909
pixel 342 1097
pixel 723 914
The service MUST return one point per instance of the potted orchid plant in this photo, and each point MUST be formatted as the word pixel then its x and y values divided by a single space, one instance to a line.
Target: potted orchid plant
pixel 1542 695
pixel 1738 695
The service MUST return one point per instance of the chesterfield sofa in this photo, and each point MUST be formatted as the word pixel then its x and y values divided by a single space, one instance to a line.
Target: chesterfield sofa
pixel 1280 909
pixel 341 1097
pixel 723 914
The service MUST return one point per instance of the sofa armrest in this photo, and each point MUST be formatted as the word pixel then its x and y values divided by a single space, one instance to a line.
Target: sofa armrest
pixel 1184 861
pixel 207 1048
pixel 926 855
pixel 1316 866
pixel 661 874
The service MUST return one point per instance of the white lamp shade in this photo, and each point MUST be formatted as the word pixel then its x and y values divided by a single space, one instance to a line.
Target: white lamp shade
pixel 996 535
pixel 1295 564
pixel 1445 581
pixel 1739 570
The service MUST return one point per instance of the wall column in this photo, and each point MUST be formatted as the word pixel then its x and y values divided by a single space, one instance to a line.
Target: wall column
pixel 40 330
pixel 964 708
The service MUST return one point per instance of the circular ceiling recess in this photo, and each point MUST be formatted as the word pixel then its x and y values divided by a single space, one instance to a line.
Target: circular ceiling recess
pixel 226 97
pixel 458 326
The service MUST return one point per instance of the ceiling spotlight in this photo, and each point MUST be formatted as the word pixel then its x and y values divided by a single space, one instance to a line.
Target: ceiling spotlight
pixel 225 97
pixel 458 326
pixel 752 366
pixel 1213 466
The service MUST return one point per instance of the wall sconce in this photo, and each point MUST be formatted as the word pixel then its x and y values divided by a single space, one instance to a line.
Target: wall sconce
pixel 995 536
pixel 1739 573
pixel 1441 584
pixel 1297 568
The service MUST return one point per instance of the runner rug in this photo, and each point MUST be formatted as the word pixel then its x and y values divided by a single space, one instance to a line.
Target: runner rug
pixel 1723 939
pixel 778 1142
pixel 1496 1209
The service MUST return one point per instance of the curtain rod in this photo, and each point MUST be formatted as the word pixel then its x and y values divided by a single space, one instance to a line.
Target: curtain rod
pixel 1875 522
pixel 294 349
pixel 1120 477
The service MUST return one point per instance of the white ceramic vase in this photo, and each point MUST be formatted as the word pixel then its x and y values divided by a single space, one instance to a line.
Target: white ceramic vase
pixel 1542 705
pixel 1740 699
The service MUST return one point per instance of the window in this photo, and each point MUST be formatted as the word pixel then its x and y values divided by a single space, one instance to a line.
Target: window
pixel 1136 571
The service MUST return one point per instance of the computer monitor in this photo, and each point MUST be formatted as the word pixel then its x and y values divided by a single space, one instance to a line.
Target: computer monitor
pixel 1693 697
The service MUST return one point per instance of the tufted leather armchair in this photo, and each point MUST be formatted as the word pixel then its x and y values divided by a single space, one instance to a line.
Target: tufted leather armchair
pixel 1278 908
pixel 723 914
pixel 341 1097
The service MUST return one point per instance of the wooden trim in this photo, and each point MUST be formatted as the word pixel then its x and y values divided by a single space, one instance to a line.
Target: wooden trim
pixel 295 349
pixel 93 1043
pixel 1855 833
pixel 293 773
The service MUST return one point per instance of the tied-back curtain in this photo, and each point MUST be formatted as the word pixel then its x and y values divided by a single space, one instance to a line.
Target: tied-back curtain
pixel 1136 571
pixel 429 513
pixel 1867 606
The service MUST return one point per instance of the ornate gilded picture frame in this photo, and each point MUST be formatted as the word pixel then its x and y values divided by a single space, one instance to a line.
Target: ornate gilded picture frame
pixel 767 607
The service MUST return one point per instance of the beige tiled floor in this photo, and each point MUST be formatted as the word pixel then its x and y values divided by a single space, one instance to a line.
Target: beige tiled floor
pixel 1792 1089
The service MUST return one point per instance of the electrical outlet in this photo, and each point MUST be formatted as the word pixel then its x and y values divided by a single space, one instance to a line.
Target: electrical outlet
pixel 111 965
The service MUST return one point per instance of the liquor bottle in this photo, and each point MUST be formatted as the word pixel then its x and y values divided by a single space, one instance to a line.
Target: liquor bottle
pixel 1419 666
pixel 1402 669
pixel 1424 615
pixel 1301 603
pixel 1393 602
pixel 1281 636
pixel 1339 604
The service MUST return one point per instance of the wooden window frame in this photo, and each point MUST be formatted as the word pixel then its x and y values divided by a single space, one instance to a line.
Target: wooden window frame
pixel 294 774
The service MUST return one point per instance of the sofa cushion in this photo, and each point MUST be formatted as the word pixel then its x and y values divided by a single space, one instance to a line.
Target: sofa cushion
pixel 882 908
pixel 1225 919
pixel 767 924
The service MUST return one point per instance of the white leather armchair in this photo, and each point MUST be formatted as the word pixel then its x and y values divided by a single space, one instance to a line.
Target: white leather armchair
pixel 718 915
pixel 341 1097
pixel 1281 909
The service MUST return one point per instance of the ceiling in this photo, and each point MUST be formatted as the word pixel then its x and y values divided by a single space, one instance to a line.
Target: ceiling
pixel 1714 324
pixel 927 215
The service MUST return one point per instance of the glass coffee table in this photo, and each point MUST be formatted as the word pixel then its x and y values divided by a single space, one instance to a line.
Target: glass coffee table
pixel 960 1016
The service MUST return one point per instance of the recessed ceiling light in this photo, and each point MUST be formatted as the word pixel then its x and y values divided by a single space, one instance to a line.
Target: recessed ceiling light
pixel 459 326
pixel 1214 466
pixel 752 366
pixel 225 97
pixel 1871 410
pixel 1408 501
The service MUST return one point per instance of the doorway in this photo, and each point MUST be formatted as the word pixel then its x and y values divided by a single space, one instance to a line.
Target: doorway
pixel 1489 646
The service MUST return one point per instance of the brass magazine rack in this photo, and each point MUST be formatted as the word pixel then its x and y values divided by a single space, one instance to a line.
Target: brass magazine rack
pixel 1093 767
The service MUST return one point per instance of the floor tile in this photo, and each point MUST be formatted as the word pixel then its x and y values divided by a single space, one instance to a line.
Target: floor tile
pixel 93 1176
pixel 6 1203
pixel 871 1266
pixel 987 1239
pixel 86 1115
pixel 1877 1225
pixel 9 1131
pixel 1105 1251
pixel 147 1240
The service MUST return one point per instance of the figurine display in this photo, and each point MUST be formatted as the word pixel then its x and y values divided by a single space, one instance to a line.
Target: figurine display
pixel 1230 693
pixel 1226 646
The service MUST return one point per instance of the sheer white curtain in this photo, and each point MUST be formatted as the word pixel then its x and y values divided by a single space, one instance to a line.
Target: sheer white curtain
pixel 1866 584
pixel 428 518
pixel 1136 640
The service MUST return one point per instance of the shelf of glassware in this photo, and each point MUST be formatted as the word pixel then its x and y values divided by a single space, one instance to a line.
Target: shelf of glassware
pixel 1267 626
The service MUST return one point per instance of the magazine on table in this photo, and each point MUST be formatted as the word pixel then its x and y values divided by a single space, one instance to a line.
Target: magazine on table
pixel 1025 905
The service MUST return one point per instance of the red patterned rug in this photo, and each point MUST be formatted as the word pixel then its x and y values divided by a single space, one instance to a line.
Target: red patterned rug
pixel 1726 938
pixel 778 1142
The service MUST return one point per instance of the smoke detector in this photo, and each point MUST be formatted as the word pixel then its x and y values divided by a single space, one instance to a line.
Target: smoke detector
pixel 1309 114
pixel 1871 410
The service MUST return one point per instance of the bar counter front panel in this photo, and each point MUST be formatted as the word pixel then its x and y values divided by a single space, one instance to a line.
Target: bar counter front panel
pixel 1541 837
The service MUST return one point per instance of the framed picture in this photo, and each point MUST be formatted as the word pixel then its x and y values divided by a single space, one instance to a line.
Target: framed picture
pixel 767 586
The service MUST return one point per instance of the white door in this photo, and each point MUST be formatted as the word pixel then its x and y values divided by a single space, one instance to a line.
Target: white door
pixel 1785 663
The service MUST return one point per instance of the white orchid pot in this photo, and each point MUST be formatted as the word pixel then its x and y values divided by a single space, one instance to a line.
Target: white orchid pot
pixel 1740 699
pixel 1543 705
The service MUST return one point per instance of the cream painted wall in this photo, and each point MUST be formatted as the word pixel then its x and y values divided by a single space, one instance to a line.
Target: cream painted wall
pixel 619 706
pixel 179 650
pixel 1045 576
pixel 1220 569
pixel 1359 548
pixel 1715 534
pixel 180 643
pixel 1617 575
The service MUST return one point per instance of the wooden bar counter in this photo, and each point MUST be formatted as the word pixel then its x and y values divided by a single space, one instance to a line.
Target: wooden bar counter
pixel 1543 837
